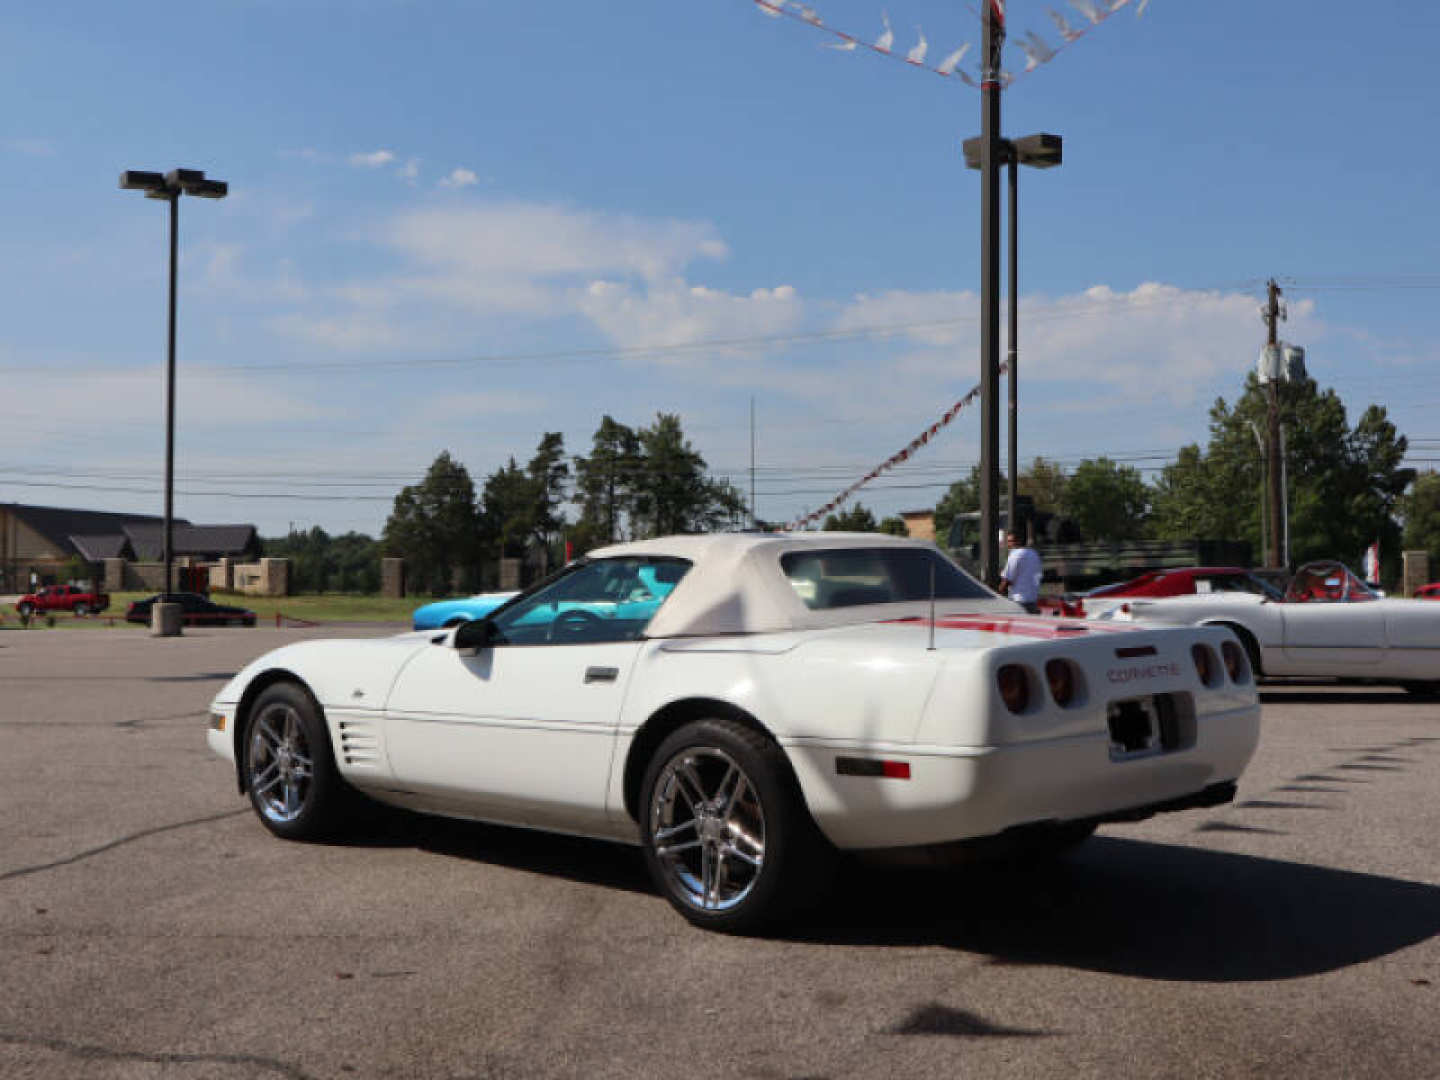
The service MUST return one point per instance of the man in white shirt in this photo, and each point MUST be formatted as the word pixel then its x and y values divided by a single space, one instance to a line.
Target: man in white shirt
pixel 1021 578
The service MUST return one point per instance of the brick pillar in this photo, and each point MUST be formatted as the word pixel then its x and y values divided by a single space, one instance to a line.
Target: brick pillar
pixel 1416 571
pixel 114 575
pixel 275 577
pixel 509 574
pixel 392 577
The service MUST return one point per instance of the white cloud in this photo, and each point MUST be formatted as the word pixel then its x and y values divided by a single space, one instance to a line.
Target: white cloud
pixel 672 313
pixel 459 178
pixel 410 170
pixel 373 160
pixel 540 241
pixel 1155 341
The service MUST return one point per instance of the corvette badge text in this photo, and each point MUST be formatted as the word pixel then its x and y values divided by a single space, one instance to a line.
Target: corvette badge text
pixel 1146 671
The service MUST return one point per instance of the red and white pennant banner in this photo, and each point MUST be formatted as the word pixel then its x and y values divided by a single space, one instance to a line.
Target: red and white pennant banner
pixel 897 458
pixel 1037 51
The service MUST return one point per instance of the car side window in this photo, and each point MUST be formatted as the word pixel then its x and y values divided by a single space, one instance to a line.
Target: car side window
pixel 852 577
pixel 605 600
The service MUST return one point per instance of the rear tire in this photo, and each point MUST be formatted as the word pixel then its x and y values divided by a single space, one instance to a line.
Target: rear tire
pixel 82 610
pixel 727 837
pixel 290 773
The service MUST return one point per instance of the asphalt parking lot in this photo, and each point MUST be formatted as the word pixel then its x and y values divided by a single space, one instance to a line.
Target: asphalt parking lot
pixel 149 927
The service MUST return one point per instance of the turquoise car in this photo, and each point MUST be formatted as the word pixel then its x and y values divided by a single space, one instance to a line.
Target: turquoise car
pixel 444 613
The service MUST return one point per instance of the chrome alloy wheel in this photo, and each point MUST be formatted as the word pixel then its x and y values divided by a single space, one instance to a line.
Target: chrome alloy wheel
pixel 708 828
pixel 280 767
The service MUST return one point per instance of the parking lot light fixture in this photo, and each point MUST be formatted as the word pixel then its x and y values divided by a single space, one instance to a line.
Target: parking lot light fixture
pixel 1039 151
pixel 169 187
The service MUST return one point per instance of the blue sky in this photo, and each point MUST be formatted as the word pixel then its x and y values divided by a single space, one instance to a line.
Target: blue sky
pixel 455 226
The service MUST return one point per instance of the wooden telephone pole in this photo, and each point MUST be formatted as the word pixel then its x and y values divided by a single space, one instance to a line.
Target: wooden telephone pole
pixel 1274 312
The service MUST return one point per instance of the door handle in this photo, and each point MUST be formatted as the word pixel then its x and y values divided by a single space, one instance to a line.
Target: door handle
pixel 601 674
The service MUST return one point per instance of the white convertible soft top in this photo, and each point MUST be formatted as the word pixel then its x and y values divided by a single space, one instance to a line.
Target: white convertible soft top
pixel 736 586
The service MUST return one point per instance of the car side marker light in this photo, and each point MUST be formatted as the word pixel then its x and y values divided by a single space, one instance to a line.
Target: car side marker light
pixel 889 770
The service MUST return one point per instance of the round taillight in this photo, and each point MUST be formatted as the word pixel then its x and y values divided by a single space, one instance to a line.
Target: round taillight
pixel 1061 677
pixel 1014 687
pixel 1234 658
pixel 1204 664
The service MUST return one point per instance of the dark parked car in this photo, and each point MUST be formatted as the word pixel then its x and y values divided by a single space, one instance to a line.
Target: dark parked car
pixel 196 610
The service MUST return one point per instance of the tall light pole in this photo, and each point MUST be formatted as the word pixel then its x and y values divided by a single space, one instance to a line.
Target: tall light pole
pixel 1040 151
pixel 991 43
pixel 169 187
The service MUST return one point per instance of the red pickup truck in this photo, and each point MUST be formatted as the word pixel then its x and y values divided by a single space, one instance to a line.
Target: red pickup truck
pixel 62 598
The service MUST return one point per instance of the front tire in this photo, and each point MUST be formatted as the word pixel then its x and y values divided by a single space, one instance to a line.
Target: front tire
pixel 26 610
pixel 290 773
pixel 727 838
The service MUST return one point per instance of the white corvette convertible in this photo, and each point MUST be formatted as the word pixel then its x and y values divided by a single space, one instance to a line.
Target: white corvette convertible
pixel 744 705
pixel 1326 623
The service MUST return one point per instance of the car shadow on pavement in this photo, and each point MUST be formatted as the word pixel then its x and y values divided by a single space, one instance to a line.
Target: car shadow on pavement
pixel 594 862
pixel 1118 905
pixel 1132 907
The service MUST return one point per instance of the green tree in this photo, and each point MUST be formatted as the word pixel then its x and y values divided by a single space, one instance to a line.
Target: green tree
pixel 322 563
pixel 506 519
pixel 1107 501
pixel 1344 484
pixel 1421 508
pixel 547 473
pixel 963 497
pixel 434 527
pixel 1045 482
pixel 672 492
pixel 893 526
pixel 857 519
pixel 605 484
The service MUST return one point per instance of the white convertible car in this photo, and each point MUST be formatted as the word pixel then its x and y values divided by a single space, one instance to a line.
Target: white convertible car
pixel 744 705
pixel 1326 623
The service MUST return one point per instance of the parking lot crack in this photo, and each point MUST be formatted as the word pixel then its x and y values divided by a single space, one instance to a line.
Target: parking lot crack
pixel 91 1052
pixel 69 860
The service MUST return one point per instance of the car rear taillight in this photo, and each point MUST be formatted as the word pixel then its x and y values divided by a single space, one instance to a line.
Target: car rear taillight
pixel 1235 664
pixel 1205 666
pixel 1061 677
pixel 1014 687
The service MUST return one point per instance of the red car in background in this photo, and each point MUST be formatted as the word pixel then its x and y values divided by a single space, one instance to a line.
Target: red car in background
pixel 1428 592
pixel 69 598
pixel 1184 581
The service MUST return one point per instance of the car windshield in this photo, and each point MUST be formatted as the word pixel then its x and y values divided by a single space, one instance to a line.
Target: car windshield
pixel 591 601
pixel 848 577
pixel 1327 583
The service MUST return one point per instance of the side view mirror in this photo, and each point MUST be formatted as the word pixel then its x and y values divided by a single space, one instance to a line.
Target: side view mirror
pixel 475 635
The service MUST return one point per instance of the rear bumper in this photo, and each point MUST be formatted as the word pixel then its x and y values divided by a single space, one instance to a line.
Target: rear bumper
pixel 966 793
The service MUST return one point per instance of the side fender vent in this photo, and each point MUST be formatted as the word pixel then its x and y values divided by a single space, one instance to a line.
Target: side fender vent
pixel 359 744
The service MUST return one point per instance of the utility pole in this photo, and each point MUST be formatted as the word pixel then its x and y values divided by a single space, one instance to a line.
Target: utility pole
pixel 990 160
pixel 1274 312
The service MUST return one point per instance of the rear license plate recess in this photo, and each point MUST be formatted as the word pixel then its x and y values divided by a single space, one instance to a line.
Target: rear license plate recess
pixel 1142 726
